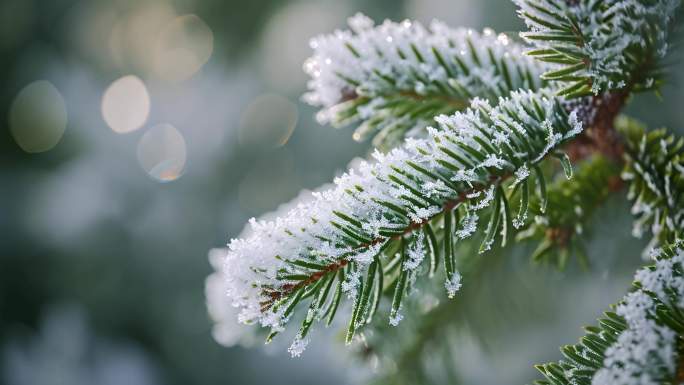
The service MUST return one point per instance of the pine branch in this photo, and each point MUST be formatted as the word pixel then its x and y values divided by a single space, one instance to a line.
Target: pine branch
pixel 599 45
pixel 572 203
pixel 639 342
pixel 394 78
pixel 373 216
pixel 654 170
pixel 594 181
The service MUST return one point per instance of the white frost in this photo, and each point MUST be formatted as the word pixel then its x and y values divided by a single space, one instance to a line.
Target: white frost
pixel 453 284
pixel 395 319
pixel 298 346
pixel 604 42
pixel 646 351
pixel 371 202
pixel 359 61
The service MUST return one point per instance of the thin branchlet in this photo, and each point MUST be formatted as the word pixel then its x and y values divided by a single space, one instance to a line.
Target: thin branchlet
pixel 393 78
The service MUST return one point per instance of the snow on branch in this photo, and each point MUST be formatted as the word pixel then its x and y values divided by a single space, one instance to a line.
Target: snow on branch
pixel 347 233
pixel 601 45
pixel 394 77
pixel 654 171
pixel 637 343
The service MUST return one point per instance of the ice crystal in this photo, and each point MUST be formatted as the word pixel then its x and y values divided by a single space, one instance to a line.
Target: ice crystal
pixel 415 252
pixel 298 346
pixel 519 221
pixel 468 226
pixel 453 284
pixel 521 174
pixel 395 319
pixel 486 200
pixel 351 283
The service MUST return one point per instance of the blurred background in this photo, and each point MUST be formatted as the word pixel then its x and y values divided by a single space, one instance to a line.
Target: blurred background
pixel 138 134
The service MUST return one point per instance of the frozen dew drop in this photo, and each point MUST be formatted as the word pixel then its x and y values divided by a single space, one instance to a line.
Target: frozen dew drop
pixel 298 346
pixel 395 319
pixel 453 284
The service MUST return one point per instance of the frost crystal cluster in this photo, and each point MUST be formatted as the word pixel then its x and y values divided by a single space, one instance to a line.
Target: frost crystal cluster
pixel 227 330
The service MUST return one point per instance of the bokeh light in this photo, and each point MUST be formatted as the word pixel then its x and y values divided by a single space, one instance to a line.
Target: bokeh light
pixel 154 40
pixel 133 38
pixel 126 104
pixel 162 153
pixel 184 45
pixel 268 121
pixel 38 117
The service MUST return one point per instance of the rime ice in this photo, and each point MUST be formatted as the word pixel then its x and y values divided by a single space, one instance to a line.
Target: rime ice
pixel 453 284
pixel 298 346
pixel 645 352
pixel 356 74
pixel 605 35
pixel 381 199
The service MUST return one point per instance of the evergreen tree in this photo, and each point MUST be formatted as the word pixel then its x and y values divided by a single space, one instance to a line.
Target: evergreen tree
pixel 472 131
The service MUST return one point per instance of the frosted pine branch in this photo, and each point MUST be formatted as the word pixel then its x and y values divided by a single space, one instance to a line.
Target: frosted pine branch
pixel 347 228
pixel 636 344
pixel 602 45
pixel 395 77
pixel 654 172
pixel 429 320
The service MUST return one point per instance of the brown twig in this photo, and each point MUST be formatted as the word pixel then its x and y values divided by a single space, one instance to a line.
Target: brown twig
pixel 600 136
pixel 289 288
